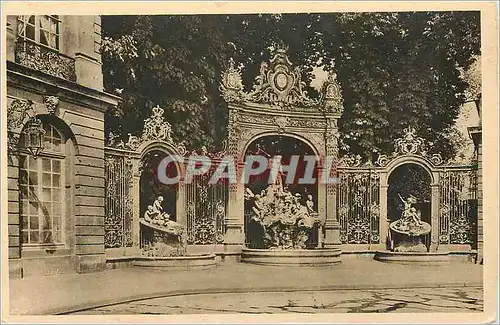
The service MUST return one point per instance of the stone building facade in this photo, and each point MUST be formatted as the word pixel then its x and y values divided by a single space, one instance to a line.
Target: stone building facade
pixel 55 109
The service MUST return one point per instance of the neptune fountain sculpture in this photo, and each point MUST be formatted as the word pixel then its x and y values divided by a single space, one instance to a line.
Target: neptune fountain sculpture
pixel 285 222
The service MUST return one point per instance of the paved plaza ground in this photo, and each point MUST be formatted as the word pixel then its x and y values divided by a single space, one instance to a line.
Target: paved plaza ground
pixel 415 300
pixel 356 285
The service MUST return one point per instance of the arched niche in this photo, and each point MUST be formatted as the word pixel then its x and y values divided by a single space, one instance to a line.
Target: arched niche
pixel 417 157
pixel 270 145
pixel 405 180
pixel 156 137
pixel 158 145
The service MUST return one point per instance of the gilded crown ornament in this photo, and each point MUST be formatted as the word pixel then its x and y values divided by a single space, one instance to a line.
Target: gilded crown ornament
pixel 232 84
pixel 331 95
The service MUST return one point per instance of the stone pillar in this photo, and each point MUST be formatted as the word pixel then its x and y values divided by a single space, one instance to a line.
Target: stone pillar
pixel 480 232
pixel 332 225
pixel 321 207
pixel 384 218
pixel 434 217
pixel 181 203
pixel 234 237
pixel 136 204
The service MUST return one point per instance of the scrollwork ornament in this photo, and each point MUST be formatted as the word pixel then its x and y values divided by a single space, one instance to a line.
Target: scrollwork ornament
pixel 350 161
pixel 436 159
pixel 382 160
pixel 409 144
pixel 18 113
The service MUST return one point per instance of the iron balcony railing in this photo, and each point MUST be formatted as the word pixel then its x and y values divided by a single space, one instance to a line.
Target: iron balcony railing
pixel 45 59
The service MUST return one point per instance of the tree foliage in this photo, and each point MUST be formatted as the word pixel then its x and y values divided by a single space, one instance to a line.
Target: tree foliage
pixel 395 70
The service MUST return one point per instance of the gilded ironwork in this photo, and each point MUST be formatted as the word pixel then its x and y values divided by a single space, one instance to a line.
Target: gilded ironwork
pixel 358 207
pixel 118 204
pixel 457 207
pixel 280 84
pixel 206 211
pixel 156 128
pixel 41 58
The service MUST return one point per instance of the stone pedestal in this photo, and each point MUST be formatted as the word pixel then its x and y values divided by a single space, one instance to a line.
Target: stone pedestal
pixel 332 234
pixel 292 257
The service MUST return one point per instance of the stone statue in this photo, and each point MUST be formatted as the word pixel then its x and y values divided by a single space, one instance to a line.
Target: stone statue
pixel 310 203
pixel 409 228
pixel 161 236
pixel 409 212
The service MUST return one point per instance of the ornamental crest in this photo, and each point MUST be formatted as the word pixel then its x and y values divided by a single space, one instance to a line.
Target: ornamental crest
pixel 156 128
pixel 280 84
pixel 410 144
pixel 281 122
pixel 331 96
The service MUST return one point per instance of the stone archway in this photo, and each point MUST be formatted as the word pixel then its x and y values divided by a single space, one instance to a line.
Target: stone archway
pixel 278 104
pixel 410 149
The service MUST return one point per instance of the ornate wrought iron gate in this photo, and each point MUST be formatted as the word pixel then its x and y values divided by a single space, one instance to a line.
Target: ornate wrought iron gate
pixel 458 207
pixel 118 202
pixel 358 206
pixel 206 209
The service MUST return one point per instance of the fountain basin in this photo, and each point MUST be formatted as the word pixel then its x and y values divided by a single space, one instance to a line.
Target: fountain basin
pixel 186 262
pixel 292 257
pixel 413 258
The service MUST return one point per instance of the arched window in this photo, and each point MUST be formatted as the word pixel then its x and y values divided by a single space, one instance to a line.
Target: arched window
pixel 41 190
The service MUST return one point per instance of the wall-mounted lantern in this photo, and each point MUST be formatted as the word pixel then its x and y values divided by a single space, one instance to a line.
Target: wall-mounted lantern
pixel 33 133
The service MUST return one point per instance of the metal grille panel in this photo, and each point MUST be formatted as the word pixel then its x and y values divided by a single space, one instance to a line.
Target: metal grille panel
pixel 118 205
pixel 206 209
pixel 358 207
pixel 458 207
